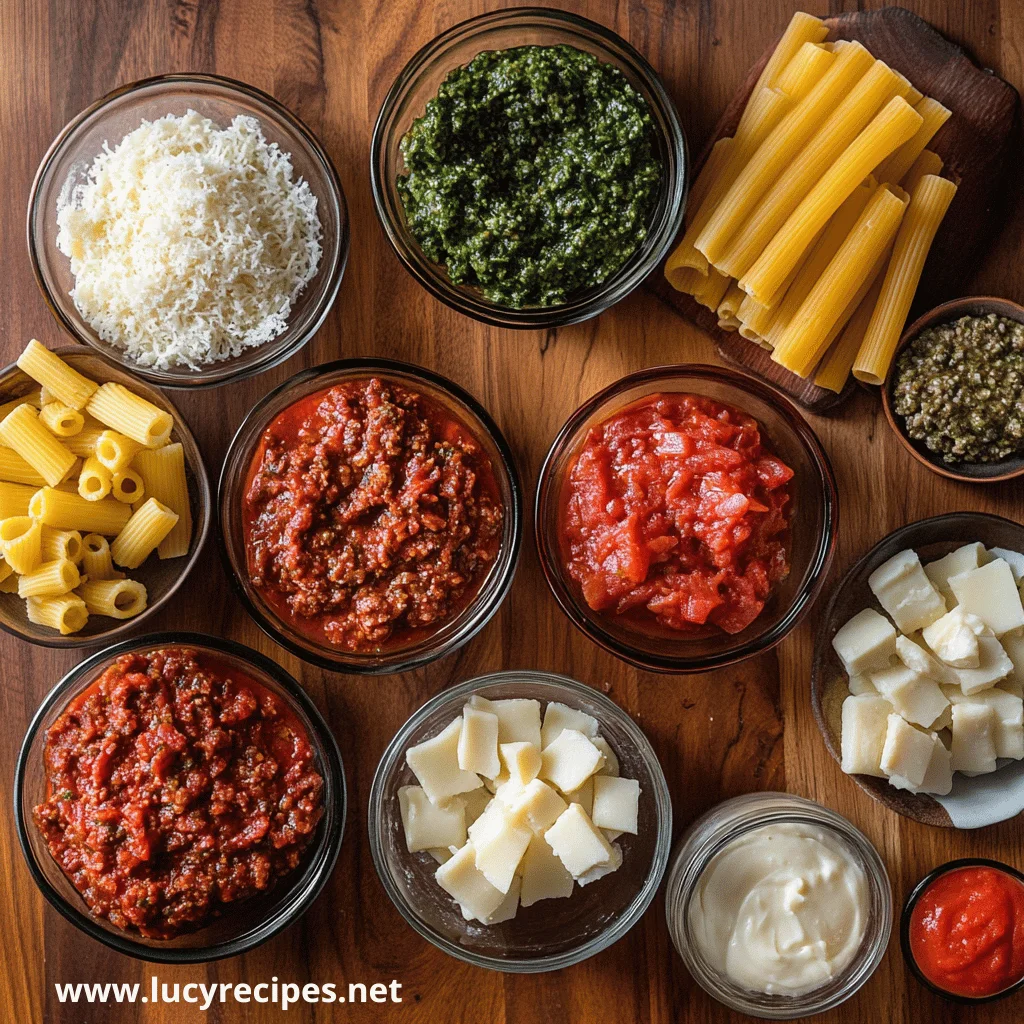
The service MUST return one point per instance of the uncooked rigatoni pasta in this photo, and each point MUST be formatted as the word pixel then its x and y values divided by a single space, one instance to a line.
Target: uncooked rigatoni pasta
pixel 66 613
pixel 61 420
pixel 118 599
pixel 142 533
pixel 20 543
pixel 65 510
pixel 96 561
pixel 163 475
pixel 131 415
pixel 48 579
pixel 23 431
pixel 94 481
pixel 15 469
pixel 63 382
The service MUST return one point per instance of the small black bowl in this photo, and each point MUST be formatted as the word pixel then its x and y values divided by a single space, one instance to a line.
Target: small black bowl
pixel 245 925
pixel 908 910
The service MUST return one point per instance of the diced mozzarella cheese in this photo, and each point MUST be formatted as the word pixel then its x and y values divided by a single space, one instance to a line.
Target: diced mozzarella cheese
pixel 906 593
pixel 860 684
pixel 990 593
pixel 1008 729
pixel 611 762
pixel 1014 559
pixel 994 665
pixel 521 760
pixel 460 878
pixel 537 807
pixel 518 718
pixel 866 642
pixel 600 870
pixel 917 698
pixel 865 720
pixel 544 875
pixel 427 825
pixel 584 795
pixel 577 843
pixel 974 748
pixel 969 556
pixel 478 742
pixel 907 751
pixel 435 763
pixel 616 802
pixel 953 639
pixel 915 657
pixel 569 760
pixel 938 779
pixel 560 716
pixel 499 850
pixel 509 906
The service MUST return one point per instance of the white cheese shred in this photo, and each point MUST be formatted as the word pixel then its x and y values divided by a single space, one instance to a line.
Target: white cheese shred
pixel 189 243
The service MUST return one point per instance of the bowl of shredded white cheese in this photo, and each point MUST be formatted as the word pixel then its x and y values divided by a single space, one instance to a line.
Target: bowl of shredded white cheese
pixel 190 228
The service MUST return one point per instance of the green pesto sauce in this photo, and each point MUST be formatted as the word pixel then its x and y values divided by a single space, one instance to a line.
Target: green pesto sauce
pixel 532 174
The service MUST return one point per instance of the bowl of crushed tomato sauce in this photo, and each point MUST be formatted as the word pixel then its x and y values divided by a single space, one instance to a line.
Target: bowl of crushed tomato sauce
pixel 686 517
pixel 180 798
pixel 962 930
pixel 371 515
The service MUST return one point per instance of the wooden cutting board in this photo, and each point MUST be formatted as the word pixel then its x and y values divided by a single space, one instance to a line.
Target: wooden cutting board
pixel 976 145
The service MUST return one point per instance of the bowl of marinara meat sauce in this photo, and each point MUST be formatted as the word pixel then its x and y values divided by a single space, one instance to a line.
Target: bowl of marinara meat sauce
pixel 188 791
pixel 378 518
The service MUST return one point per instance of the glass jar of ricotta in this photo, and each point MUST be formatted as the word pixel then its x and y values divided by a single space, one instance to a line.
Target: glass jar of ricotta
pixel 779 907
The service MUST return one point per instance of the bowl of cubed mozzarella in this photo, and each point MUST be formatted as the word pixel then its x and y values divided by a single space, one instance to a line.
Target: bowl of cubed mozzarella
pixel 919 667
pixel 520 821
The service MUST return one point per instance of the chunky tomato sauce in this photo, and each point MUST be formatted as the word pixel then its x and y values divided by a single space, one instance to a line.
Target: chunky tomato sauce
pixel 371 514
pixel 675 516
pixel 176 787
pixel 967 931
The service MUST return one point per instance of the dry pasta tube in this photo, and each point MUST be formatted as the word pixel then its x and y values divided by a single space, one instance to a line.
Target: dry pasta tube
pixel 802 73
pixel 66 613
pixel 23 431
pixel 60 544
pixel 802 344
pixel 767 107
pixel 84 443
pixel 128 486
pixel 61 420
pixel 115 451
pixel 928 162
pixel 731 302
pixel 835 367
pixel 163 475
pixel 131 415
pixel 48 579
pixel 95 480
pixel 934 115
pixel 142 533
pixel 63 382
pixel 15 469
pixel 20 543
pixel 118 599
pixel 729 323
pixel 15 499
pixel 927 207
pixel 888 129
pixel 711 292
pixel 712 168
pixel 802 28
pixel 779 150
pixel 96 561
pixel 863 101
pixel 65 510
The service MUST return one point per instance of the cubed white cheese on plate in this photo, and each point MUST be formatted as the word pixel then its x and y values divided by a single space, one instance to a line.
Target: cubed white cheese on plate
pixel 938 779
pixel 518 718
pixel 954 638
pixel 560 716
pixel 907 751
pixel 866 642
pixel 583 795
pixel 990 593
pixel 920 660
pixel 1014 559
pixel 916 697
pixel 1008 729
pixel 993 665
pixel 865 720
pixel 426 824
pixel 475 801
pixel 616 803
pixel 544 875
pixel 906 593
pixel 478 742
pixel 521 760
pixel 577 842
pixel 861 684
pixel 435 763
pixel 570 759
pixel 974 727
pixel 969 556
pixel 499 847
pixel 537 807
pixel 600 870
pixel 460 878
pixel 611 761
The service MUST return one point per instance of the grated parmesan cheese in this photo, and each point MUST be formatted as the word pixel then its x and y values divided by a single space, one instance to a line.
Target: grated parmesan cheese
pixel 189 242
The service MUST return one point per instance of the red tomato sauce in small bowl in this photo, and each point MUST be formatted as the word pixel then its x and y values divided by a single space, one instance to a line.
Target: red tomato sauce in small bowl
pixel 964 933
pixel 676 517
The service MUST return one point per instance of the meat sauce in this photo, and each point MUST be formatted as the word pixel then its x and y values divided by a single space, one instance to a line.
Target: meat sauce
pixel 676 515
pixel 176 787
pixel 371 515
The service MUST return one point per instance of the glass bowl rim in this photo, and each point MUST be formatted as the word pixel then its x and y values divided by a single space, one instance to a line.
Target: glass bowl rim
pixel 330 843
pixel 617 286
pixel 747 817
pixel 908 909
pixel 395 662
pixel 204 518
pixel 662 797
pixel 208 378
pixel 818 567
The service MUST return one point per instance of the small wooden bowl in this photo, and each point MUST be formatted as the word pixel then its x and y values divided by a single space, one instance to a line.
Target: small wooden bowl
pixel 930 538
pixel 966 472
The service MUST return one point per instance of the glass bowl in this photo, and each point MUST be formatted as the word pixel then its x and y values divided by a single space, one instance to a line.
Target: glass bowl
pixel 814 518
pixel 550 934
pixel 419 82
pixel 709 835
pixel 109 119
pixel 908 910
pixel 252 921
pixel 161 577
pixel 457 631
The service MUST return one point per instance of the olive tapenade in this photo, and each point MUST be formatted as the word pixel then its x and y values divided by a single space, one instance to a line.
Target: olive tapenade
pixel 960 387
pixel 532 174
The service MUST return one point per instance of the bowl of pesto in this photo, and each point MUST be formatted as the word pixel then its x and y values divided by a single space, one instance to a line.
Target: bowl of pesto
pixel 529 168
pixel 954 394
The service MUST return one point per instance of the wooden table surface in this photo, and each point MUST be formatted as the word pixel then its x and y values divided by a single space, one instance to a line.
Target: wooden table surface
pixel 717 735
